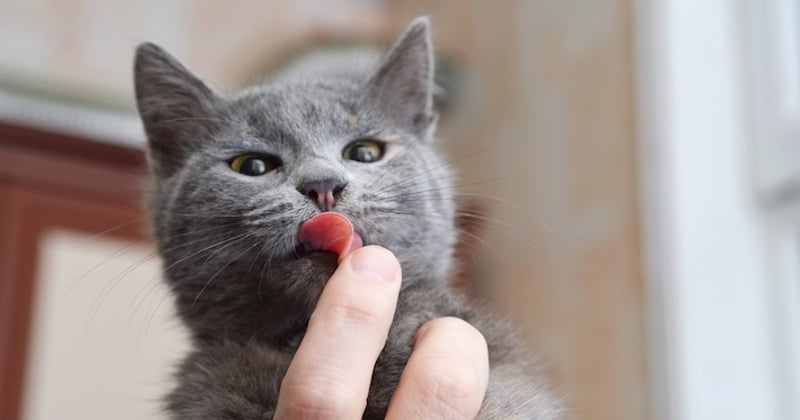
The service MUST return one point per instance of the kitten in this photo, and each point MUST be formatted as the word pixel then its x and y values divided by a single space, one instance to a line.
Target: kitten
pixel 235 177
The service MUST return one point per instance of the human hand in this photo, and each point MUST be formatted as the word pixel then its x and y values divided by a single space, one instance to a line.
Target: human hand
pixel 329 377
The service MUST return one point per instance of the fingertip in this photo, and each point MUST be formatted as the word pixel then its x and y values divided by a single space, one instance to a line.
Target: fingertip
pixel 375 262
pixel 457 329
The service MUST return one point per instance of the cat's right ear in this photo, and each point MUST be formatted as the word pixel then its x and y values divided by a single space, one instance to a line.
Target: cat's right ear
pixel 174 106
pixel 403 83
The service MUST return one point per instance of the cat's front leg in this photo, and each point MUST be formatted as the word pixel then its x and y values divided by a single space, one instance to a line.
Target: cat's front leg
pixel 228 381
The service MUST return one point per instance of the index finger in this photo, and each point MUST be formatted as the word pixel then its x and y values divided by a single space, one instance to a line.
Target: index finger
pixel 331 371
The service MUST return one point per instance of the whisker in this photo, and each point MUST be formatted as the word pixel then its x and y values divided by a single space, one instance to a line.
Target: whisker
pixel 453 187
pixel 67 288
pixel 484 242
pixel 445 164
pixel 217 251
pixel 153 314
pixel 415 180
pixel 218 273
pixel 266 268
pixel 182 119
pixel 115 228
pixel 420 251
pixel 422 193
pixel 106 290
pixel 151 286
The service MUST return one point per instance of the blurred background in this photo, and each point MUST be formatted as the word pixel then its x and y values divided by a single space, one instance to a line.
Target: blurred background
pixel 633 167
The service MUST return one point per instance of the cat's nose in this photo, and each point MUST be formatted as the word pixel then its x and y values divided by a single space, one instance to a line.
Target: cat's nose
pixel 324 192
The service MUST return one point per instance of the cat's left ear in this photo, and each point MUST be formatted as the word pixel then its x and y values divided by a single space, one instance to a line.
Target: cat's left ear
pixel 174 104
pixel 403 84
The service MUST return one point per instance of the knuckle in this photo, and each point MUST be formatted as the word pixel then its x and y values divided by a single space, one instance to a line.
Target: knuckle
pixel 449 393
pixel 355 315
pixel 322 399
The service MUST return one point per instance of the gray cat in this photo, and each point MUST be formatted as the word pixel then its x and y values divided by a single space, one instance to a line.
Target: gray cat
pixel 234 178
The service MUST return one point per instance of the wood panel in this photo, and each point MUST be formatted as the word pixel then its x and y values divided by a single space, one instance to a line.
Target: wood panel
pixel 49 181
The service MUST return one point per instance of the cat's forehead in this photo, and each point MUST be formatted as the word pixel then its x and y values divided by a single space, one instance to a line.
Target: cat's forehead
pixel 312 110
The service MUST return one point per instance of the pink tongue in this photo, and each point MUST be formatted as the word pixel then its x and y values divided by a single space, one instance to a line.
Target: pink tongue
pixel 330 231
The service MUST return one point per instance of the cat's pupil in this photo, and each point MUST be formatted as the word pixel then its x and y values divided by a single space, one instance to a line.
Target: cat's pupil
pixel 254 166
pixel 364 154
pixel 364 151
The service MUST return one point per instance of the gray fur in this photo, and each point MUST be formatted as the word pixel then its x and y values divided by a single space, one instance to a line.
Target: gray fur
pixel 228 240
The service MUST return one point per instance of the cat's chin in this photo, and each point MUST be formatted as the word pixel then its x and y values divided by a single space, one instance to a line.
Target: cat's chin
pixel 315 263
pixel 318 257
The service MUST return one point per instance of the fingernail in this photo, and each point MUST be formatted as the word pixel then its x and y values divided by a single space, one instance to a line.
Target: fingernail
pixel 375 262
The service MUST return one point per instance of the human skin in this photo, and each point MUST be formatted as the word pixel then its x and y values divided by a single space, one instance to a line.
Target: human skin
pixel 329 377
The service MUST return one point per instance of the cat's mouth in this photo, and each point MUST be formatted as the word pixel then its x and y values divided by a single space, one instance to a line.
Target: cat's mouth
pixel 328 232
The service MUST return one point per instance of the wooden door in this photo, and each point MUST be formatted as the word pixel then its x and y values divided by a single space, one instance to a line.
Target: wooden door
pixel 50 181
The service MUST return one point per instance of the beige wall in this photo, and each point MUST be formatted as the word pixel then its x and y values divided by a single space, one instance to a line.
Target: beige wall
pixel 104 337
pixel 83 49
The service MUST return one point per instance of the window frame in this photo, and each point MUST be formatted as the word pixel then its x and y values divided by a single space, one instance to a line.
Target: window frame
pixel 717 246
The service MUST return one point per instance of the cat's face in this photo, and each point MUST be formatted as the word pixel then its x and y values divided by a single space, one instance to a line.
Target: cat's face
pixel 232 175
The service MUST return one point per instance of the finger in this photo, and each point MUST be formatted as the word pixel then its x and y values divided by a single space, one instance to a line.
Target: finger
pixel 330 374
pixel 446 375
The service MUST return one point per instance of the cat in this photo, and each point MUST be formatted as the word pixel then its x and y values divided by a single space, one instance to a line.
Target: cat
pixel 231 176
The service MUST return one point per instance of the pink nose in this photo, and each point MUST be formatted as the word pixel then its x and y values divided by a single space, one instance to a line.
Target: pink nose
pixel 324 192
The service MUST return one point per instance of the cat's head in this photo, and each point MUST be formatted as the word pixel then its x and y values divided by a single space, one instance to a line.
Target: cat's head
pixel 235 176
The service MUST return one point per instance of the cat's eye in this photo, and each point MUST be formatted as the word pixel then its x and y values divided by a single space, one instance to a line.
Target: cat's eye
pixel 364 151
pixel 254 165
